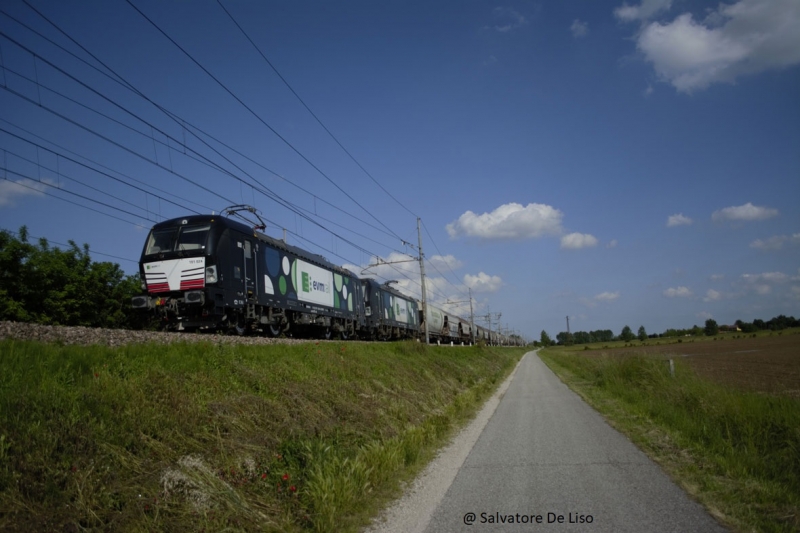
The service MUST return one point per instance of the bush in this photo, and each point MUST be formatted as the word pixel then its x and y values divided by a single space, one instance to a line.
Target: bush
pixel 48 285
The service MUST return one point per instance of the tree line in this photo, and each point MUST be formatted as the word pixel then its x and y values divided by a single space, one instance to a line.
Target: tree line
pixel 711 328
pixel 47 285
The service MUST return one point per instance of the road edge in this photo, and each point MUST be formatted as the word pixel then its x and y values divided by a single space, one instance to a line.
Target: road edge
pixel 413 511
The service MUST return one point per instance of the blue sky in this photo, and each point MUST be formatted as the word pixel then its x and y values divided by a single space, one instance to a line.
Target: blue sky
pixel 617 163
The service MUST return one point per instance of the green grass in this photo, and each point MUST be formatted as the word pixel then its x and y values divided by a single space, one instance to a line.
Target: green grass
pixel 737 452
pixel 204 437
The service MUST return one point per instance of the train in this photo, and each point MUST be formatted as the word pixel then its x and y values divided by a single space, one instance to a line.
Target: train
pixel 214 273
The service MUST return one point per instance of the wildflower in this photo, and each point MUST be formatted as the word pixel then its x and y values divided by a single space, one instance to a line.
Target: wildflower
pixel 96 375
pixel 285 477
pixel 293 488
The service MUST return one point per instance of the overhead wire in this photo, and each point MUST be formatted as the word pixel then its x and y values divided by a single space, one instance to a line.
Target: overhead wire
pixel 258 117
pixel 178 174
pixel 117 78
pixel 100 165
pixel 105 174
pixel 65 191
pixel 63 199
pixel 69 245
pixel 328 131
pixel 442 255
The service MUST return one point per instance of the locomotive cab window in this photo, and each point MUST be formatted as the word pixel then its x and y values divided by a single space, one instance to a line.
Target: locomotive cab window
pixel 182 239
pixel 193 238
pixel 160 241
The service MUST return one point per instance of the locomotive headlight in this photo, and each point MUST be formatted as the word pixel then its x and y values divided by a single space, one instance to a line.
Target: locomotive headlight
pixel 144 285
pixel 211 274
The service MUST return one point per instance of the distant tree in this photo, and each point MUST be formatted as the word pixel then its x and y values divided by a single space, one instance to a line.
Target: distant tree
pixel 759 324
pixel 642 334
pixel 711 328
pixel 545 339
pixel 627 334
pixel 582 337
pixel 564 339
pixel 697 330
pixel 780 322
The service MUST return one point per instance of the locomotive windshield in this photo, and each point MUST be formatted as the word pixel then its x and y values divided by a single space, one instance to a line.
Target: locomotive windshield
pixel 184 238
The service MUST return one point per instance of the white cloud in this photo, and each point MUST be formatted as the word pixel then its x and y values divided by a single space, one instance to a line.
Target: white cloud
pixel 747 212
pixel 678 220
pixel 444 261
pixel 607 296
pixel 509 221
pixel 483 282
pixel 717 277
pixel 9 190
pixel 612 244
pixel 776 242
pixel 508 19
pixel 795 292
pixel 704 315
pixel 745 37
pixel 712 296
pixel 643 11
pixel 579 29
pixel 603 297
pixel 578 240
pixel 680 292
pixel 404 271
pixel 766 277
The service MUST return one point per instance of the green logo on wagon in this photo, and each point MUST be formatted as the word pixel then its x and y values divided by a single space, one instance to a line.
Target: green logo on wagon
pixel 309 285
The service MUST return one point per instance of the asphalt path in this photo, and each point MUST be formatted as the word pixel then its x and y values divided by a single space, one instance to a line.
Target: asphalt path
pixel 546 461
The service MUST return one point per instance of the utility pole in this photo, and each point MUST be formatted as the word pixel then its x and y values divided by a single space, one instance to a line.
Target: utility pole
pixel 471 318
pixel 422 277
pixel 569 336
pixel 421 259
pixel 488 316
pixel 471 314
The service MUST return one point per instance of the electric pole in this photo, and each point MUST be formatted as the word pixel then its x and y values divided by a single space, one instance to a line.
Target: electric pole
pixel 422 278
pixel 471 314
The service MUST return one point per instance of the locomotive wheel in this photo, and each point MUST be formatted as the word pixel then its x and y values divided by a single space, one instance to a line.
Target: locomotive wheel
pixel 326 334
pixel 238 326
pixel 274 330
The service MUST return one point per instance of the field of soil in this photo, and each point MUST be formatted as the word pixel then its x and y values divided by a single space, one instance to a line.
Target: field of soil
pixel 764 363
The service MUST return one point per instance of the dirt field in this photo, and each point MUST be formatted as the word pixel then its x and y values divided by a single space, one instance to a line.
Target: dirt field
pixel 765 363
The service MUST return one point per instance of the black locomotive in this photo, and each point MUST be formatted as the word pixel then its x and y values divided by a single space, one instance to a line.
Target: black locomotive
pixel 210 272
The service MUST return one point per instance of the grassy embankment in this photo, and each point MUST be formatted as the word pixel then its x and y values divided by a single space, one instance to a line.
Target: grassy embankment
pixel 736 451
pixel 203 437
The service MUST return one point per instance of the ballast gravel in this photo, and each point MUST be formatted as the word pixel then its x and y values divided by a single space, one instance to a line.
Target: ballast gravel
pixel 119 337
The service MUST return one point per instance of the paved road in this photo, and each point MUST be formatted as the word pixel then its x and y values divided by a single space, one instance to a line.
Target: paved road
pixel 545 452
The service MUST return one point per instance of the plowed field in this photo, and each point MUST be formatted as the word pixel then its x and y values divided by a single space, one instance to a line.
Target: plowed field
pixel 765 363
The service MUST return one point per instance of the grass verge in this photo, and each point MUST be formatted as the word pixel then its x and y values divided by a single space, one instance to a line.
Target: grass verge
pixel 735 451
pixel 204 437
